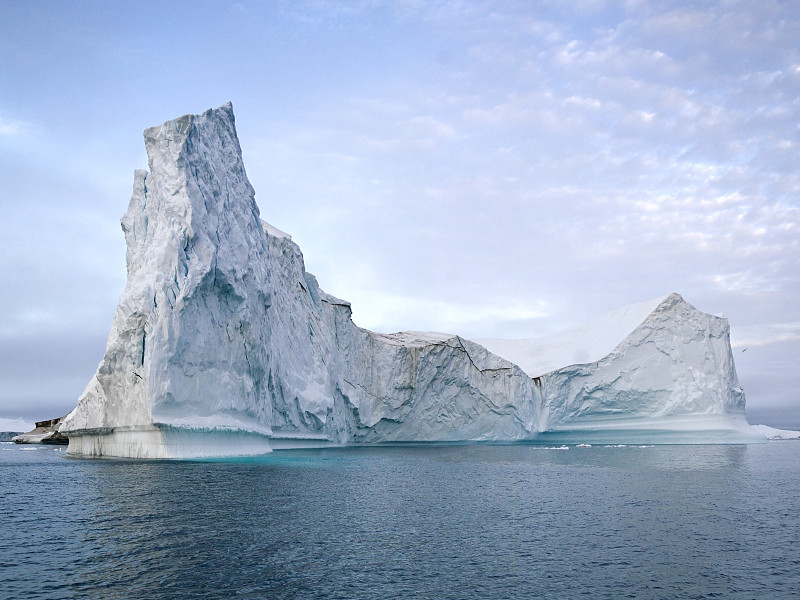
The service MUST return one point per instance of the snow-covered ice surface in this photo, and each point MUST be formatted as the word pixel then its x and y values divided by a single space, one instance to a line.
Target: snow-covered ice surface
pixel 222 344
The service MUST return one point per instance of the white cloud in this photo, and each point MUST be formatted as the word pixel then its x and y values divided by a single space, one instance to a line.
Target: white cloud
pixel 760 335
pixel 10 128
pixel 431 127
pixel 375 310
pixel 15 128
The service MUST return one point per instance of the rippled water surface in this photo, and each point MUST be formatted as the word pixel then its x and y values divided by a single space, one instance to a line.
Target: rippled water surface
pixel 460 522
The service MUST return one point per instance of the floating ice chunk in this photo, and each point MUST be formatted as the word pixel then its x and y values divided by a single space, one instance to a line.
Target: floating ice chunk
pixel 777 434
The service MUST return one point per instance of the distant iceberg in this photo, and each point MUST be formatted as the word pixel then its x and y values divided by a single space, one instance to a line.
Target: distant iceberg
pixel 222 344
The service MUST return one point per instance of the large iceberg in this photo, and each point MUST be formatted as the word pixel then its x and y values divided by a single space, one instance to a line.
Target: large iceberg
pixel 223 344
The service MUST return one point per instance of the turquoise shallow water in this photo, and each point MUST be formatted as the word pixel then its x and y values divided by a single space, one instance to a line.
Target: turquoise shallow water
pixel 460 522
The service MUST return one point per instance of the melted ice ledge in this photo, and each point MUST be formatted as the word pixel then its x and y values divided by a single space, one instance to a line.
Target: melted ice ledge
pixel 223 344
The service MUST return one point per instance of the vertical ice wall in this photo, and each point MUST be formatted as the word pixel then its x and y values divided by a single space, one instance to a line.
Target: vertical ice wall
pixel 187 341
pixel 678 361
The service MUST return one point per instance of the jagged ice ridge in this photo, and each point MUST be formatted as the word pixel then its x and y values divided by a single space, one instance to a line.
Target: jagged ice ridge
pixel 222 344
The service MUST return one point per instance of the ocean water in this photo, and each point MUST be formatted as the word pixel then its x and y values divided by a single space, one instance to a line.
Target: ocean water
pixel 439 522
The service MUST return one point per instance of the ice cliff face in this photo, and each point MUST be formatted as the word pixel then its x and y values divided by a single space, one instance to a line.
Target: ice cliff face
pixel 222 343
pixel 676 362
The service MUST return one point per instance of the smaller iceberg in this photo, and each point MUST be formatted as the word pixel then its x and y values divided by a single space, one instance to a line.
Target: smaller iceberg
pixel 659 371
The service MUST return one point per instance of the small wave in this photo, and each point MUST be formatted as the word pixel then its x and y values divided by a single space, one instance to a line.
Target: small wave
pixel 583 446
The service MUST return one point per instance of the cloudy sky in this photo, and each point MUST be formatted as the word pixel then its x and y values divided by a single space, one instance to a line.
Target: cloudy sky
pixel 493 169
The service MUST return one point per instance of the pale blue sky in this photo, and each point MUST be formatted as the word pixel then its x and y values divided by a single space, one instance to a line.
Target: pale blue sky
pixel 483 168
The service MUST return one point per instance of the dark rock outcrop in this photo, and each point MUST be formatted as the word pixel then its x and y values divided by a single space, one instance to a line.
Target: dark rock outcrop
pixel 45 432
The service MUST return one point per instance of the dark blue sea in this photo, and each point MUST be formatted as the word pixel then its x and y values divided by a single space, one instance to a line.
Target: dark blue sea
pixel 438 522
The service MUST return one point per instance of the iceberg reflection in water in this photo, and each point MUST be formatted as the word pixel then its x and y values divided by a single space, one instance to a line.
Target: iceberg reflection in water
pixel 412 520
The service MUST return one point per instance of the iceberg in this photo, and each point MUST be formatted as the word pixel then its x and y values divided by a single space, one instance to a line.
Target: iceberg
pixel 223 344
